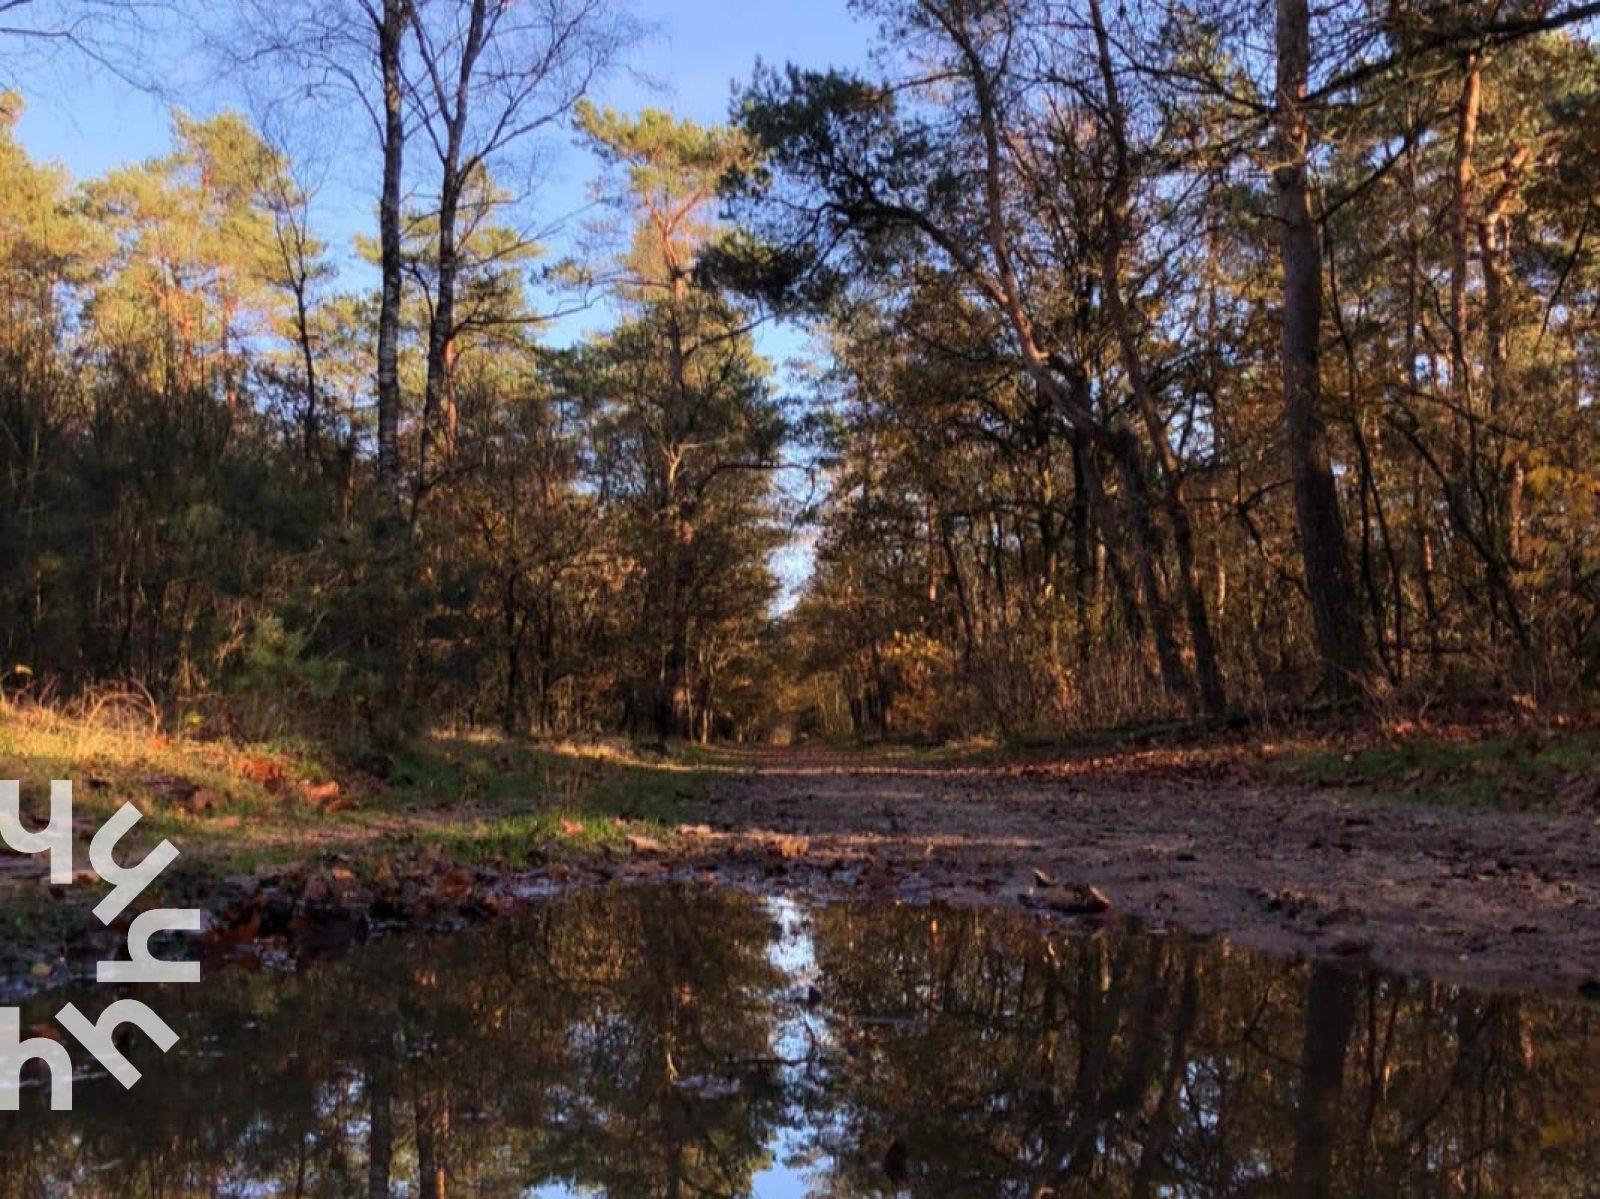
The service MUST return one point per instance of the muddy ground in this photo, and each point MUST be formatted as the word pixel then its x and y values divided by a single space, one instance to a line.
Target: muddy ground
pixel 1491 899
pixel 1495 899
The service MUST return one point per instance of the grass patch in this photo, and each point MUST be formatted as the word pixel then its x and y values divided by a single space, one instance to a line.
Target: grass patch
pixel 235 809
pixel 1518 770
pixel 611 804
pixel 1497 766
pixel 526 839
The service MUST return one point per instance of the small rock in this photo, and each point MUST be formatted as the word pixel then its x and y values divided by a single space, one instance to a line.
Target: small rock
pixel 1074 901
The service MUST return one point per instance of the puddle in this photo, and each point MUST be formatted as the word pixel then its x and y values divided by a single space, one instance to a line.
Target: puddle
pixel 677 1043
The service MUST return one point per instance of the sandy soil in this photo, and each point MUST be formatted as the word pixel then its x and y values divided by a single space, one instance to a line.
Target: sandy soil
pixel 1495 900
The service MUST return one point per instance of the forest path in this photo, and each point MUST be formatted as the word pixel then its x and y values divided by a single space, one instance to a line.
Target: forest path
pixel 1491 899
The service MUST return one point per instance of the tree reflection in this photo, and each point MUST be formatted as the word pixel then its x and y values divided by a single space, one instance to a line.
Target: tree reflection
pixel 645 1044
pixel 1126 1066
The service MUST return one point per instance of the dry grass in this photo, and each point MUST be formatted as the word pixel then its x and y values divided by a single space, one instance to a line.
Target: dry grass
pixel 233 809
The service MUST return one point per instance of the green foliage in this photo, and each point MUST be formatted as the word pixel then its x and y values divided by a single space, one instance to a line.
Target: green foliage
pixel 1055 418
pixel 188 505
pixel 272 656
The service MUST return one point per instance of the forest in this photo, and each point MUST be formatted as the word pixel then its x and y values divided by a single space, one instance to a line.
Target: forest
pixel 1161 360
pixel 765 601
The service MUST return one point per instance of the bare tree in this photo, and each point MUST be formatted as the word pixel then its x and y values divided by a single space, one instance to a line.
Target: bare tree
pixel 490 76
pixel 389 25
pixel 110 34
pixel 1114 236
pixel 315 54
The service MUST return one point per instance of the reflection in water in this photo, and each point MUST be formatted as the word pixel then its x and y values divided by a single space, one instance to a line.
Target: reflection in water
pixel 699 1043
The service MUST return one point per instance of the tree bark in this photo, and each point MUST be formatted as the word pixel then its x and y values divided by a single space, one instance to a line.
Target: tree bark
pixel 1509 473
pixel 1147 548
pixel 1473 505
pixel 1084 592
pixel 391 32
pixel 1348 664
pixel 1461 216
pixel 453 98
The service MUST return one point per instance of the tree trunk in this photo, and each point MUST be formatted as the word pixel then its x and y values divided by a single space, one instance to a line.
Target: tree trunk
pixel 1461 209
pixel 391 31
pixel 1474 506
pixel 310 421
pixel 511 720
pixel 1347 662
pixel 1505 537
pixel 1083 564
pixel 454 100
pixel 1147 550
pixel 441 328
pixel 1213 694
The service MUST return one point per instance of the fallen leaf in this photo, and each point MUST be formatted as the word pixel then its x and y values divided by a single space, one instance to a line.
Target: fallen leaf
pixel 265 771
pixel 319 793
pixel 204 800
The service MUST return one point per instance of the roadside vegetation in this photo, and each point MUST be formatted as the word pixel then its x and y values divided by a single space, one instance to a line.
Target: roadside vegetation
pixel 240 813
pixel 1472 761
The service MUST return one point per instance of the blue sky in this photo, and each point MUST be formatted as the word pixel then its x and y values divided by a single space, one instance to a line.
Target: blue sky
pixel 89 120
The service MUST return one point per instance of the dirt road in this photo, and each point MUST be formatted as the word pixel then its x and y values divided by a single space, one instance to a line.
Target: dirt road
pixel 1496 900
